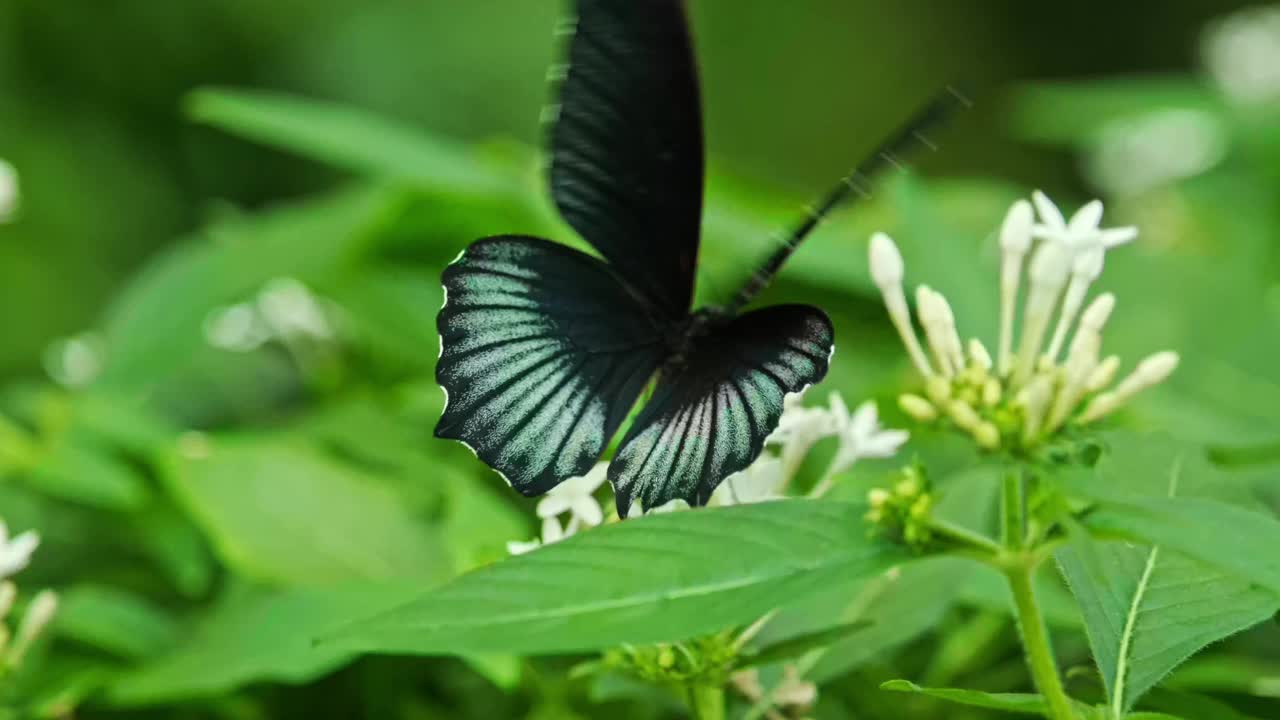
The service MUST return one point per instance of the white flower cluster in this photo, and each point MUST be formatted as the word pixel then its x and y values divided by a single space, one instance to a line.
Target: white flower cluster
pixel 576 497
pixel 15 555
pixel 285 310
pixel 800 428
pixel 8 192
pixel 1024 394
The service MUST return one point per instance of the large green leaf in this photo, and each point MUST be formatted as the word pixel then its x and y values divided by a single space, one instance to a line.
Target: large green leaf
pixel 1233 539
pixel 346 137
pixel 657 578
pixel 1147 610
pixel 1131 485
pixel 255 635
pixel 279 511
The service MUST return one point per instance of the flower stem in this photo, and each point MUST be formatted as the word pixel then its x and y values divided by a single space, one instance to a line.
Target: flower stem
pixel 1035 642
pixel 1020 568
pixel 1013 511
pixel 706 702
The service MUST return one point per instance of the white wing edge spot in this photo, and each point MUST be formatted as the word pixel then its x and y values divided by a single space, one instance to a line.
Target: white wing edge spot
pixel 445 390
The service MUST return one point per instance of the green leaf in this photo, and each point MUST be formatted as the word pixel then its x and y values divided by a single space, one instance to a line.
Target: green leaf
pixel 1023 703
pixel 657 578
pixel 81 470
pixel 114 621
pixel 1238 541
pixel 802 644
pixel 900 608
pixel 1147 610
pixel 1130 488
pixel 281 512
pixel 346 137
pixel 255 635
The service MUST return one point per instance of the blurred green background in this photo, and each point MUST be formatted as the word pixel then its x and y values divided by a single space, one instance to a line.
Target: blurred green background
pixel 217 302
pixel 91 98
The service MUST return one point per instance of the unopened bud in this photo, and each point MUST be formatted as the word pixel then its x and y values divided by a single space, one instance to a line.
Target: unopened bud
pixel 1099 311
pixel 963 414
pixel 979 355
pixel 917 408
pixel 1103 375
pixel 1015 232
pixel 991 392
pixel 877 497
pixel 938 389
pixel 38 616
pixel 908 487
pixel 886 262
pixel 1088 264
pixel 987 435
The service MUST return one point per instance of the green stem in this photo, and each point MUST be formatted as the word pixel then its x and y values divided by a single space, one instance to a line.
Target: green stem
pixel 1013 510
pixel 706 702
pixel 1035 641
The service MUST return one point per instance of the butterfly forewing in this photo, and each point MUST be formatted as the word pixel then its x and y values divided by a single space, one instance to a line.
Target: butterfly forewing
pixel 711 412
pixel 542 354
pixel 627 156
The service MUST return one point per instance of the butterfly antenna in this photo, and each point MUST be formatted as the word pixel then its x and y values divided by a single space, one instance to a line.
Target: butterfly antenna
pixel 942 106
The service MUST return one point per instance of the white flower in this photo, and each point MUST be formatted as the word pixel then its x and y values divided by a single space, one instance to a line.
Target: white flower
pixel 291 310
pixel 799 429
pixel 15 553
pixel 576 497
pixel 860 434
pixel 517 547
pixel 8 191
pixel 759 482
pixel 1037 388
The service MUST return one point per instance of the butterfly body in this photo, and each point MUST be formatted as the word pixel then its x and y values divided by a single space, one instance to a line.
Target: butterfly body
pixel 545 350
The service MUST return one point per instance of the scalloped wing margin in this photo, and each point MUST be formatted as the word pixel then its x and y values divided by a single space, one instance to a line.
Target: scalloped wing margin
pixel 542 354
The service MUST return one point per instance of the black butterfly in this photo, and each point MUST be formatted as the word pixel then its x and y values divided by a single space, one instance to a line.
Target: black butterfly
pixel 544 349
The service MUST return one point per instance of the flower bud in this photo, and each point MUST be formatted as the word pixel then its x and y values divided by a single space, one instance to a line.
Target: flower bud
pixel 877 497
pixel 38 616
pixel 987 435
pixel 886 262
pixel 991 392
pixel 917 408
pixel 1099 311
pixel 963 414
pixel 938 389
pixel 1015 232
pixel 1103 374
pixel 979 355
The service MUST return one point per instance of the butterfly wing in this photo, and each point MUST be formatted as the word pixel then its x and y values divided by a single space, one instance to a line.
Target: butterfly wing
pixel 710 414
pixel 542 354
pixel 626 148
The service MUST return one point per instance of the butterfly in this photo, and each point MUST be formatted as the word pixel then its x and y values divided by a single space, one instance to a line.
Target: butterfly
pixel 544 350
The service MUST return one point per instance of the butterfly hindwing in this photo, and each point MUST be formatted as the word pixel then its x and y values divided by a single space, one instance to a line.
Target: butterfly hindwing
pixel 711 411
pixel 542 354
pixel 626 148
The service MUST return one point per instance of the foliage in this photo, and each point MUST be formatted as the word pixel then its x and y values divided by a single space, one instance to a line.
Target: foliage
pixel 239 531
